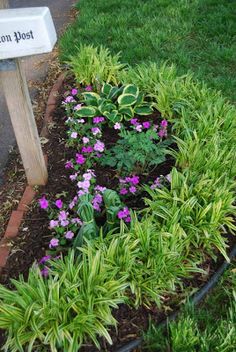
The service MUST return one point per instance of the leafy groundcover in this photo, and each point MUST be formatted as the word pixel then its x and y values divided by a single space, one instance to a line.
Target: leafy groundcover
pixel 143 205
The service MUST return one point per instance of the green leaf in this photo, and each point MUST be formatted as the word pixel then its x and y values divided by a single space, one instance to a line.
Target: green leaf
pixel 143 110
pixel 127 110
pixel 126 99
pixel 131 89
pixel 115 92
pixel 91 95
pixel 106 88
pixel 88 111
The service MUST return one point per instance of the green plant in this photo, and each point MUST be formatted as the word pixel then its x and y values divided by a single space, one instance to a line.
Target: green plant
pixel 73 306
pixel 93 65
pixel 115 103
pixel 136 152
pixel 112 204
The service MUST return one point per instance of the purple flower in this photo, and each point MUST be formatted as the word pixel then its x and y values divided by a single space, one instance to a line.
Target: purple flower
pixel 95 130
pixel 74 91
pixel 134 180
pixel 85 140
pixel 88 88
pixel 146 124
pixel 69 165
pixel 81 121
pixel 98 119
pixel 45 259
pixel 59 203
pixel 168 177
pixel 100 188
pixel 69 235
pixel 87 176
pixel 88 149
pixel 128 219
pixel 81 193
pixel 80 159
pixel 43 203
pixel 99 146
pixel 123 191
pixel 132 189
pixel 164 123
pixel 74 135
pixel 45 272
pixel 53 223
pixel 117 126
pixel 53 243
pixel 76 221
pixel 84 185
pixel 123 213
pixel 134 121
pixel 73 177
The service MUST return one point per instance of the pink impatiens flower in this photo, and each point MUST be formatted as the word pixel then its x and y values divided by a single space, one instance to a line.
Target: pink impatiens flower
pixel 74 135
pixel 123 191
pixel 99 146
pixel 77 107
pixel 95 130
pixel 80 159
pixel 74 91
pixel 69 235
pixel 139 128
pixel 59 203
pixel 43 203
pixel 69 165
pixel 117 126
pixel 132 189
pixel 164 123
pixel 88 149
pixel 146 124
pixel 53 223
pixel 53 243
pixel 85 140
pixel 88 88
pixel 98 119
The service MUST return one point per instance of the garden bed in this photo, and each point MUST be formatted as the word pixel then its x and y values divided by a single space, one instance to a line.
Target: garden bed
pixel 147 233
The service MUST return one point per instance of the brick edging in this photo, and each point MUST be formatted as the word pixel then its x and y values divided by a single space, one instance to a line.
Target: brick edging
pixel 17 215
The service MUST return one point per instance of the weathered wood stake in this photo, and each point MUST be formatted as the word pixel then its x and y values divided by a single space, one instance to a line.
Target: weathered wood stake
pixel 20 109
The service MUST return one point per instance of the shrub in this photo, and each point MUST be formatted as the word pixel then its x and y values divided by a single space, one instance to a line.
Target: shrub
pixel 75 304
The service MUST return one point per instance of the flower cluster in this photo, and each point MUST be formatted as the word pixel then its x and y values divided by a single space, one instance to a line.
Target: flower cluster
pixel 128 184
pixel 159 181
pixel 142 126
pixel 124 214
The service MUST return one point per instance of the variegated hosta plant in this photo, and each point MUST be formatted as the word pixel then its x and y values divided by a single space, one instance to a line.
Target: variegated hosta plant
pixel 116 103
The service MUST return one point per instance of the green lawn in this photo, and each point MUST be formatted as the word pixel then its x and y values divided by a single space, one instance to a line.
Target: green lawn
pixel 196 35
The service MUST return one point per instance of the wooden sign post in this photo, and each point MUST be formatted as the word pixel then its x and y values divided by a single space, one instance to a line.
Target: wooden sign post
pixel 24 32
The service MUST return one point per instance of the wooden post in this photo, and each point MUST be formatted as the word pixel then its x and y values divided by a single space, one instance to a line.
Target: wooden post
pixel 20 109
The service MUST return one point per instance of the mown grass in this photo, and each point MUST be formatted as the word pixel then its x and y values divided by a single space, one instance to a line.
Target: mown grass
pixel 196 35
pixel 210 327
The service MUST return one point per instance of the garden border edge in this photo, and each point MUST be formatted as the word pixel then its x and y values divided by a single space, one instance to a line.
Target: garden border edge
pixel 29 193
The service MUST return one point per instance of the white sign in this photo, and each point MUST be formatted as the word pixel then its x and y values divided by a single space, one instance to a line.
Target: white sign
pixel 26 31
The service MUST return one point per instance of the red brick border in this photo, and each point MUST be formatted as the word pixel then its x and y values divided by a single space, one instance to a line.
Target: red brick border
pixel 17 215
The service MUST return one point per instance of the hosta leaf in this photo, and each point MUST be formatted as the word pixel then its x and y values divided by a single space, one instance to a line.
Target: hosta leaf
pixel 91 95
pixel 113 116
pixel 106 88
pixel 126 99
pixel 88 111
pixel 115 91
pixel 143 110
pixel 127 110
pixel 131 89
pixel 106 107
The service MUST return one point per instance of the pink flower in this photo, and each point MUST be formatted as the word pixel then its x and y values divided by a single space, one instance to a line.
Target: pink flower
pixel 98 119
pixel 128 219
pixel 164 123
pixel 162 133
pixel 74 135
pixel 85 140
pixel 59 203
pixel 73 177
pixel 43 203
pixel 88 88
pixel 88 149
pixel 53 243
pixel 84 184
pixel 64 223
pixel 87 176
pixel 76 221
pixel 100 188
pixel 80 159
pixel 117 126
pixel 81 121
pixel 123 213
pixel 99 146
pixel 62 215
pixel 69 165
pixel 123 191
pixel 134 121
pixel 95 130
pixel 146 124
pixel 155 127
pixel 69 235
pixel 69 99
pixel 168 177
pixel 139 128
pixel 77 107
pixel 45 272
pixel 74 91
pixel 53 223
pixel 132 189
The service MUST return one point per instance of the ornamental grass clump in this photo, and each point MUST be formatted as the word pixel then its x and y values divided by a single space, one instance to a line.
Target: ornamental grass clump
pixel 73 306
